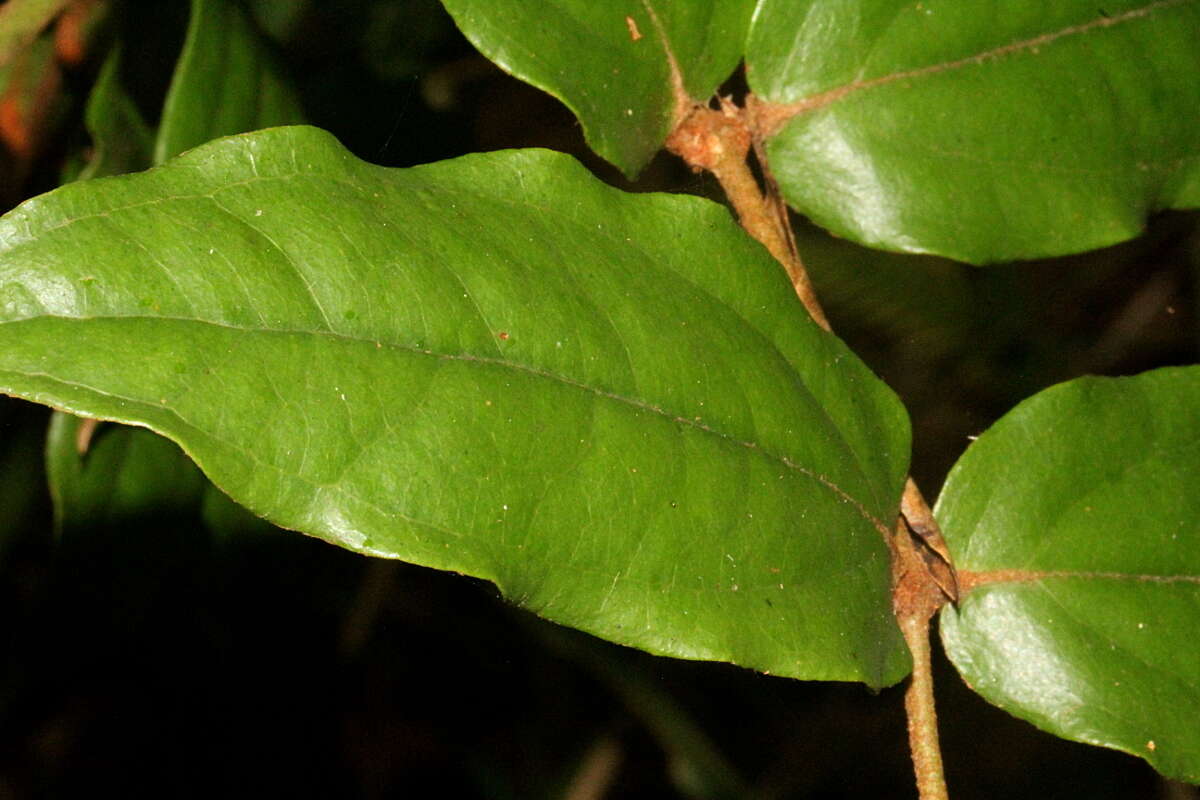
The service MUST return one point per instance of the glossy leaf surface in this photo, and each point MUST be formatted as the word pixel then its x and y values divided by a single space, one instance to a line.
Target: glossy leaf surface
pixel 132 471
pixel 1077 520
pixel 609 63
pixel 983 133
pixel 225 82
pixel 609 405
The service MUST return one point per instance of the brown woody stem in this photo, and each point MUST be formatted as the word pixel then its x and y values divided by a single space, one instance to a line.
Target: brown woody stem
pixel 923 576
pixel 916 597
pixel 922 713
pixel 719 141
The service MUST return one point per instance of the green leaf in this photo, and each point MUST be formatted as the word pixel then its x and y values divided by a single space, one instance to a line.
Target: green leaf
pixel 610 62
pixel 1014 130
pixel 225 82
pixel 121 140
pixel 124 473
pixel 132 472
pixel 1076 518
pixel 610 405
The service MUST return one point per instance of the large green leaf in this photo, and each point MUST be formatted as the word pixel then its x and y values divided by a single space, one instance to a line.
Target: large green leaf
pixel 609 405
pixel 982 132
pixel 225 82
pixel 1077 519
pixel 610 62
pixel 131 472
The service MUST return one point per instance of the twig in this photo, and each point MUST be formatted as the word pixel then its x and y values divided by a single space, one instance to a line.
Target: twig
pixel 923 574
pixel 922 713
pixel 719 141
pixel 916 597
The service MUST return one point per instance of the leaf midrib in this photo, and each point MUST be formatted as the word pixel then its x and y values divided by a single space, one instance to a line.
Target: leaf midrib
pixel 970 580
pixel 774 116
pixel 527 369
pixel 212 195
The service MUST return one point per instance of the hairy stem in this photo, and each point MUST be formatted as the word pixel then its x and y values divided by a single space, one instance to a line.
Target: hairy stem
pixel 922 713
pixel 916 597
pixel 923 575
pixel 719 141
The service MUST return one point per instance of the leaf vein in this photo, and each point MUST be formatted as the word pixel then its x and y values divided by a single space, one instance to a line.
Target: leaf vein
pixel 519 367
pixel 774 116
pixel 969 580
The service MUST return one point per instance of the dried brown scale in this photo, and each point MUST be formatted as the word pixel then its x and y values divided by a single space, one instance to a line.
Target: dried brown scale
pixel 933 550
pixel 707 139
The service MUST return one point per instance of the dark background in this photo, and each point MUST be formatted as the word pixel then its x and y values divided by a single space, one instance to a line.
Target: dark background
pixel 185 652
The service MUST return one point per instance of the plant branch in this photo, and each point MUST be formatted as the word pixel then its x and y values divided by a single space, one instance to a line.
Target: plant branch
pixel 719 140
pixel 922 714
pixel 923 577
pixel 916 597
